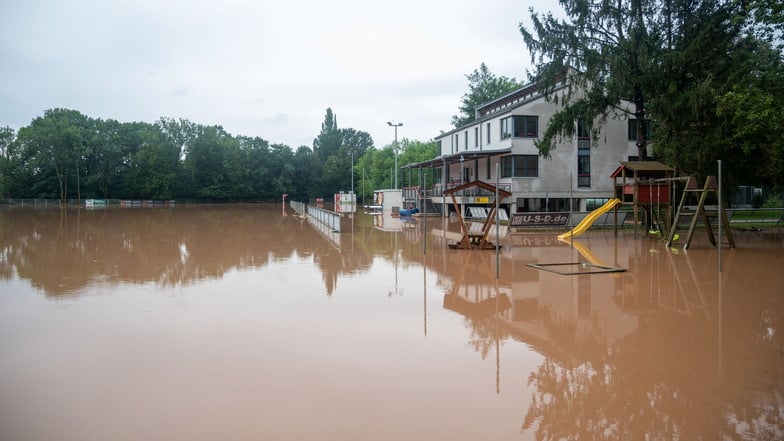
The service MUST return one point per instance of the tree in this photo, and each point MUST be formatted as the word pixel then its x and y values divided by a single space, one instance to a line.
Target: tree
pixel 54 143
pixel 330 139
pixel 483 87
pixel 416 151
pixel 153 166
pixel 767 21
pixel 7 137
pixel 284 173
pixel 247 170
pixel 720 96
pixel 603 54
pixel 309 174
pixel 355 144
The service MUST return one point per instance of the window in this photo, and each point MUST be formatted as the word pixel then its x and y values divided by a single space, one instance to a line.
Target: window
pixel 583 155
pixel 594 203
pixel 476 136
pixel 506 128
pixel 520 127
pixel 633 129
pixel 456 145
pixel 465 140
pixel 583 129
pixel 488 133
pixel 520 166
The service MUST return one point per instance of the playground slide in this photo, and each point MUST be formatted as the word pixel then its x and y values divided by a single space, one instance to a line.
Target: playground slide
pixel 586 223
pixel 583 250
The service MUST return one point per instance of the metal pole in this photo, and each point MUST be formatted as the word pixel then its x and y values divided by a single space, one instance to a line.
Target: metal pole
pixel 424 217
pixel 571 232
pixel 395 157
pixel 352 171
pixel 721 217
pixel 497 228
pixel 395 148
pixel 462 192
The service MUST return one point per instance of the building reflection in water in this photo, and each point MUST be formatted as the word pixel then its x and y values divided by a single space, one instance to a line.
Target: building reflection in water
pixel 669 349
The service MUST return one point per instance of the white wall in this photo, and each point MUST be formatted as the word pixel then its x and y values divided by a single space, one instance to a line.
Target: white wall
pixel 557 174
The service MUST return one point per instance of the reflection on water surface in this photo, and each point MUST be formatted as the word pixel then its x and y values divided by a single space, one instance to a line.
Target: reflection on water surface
pixel 235 322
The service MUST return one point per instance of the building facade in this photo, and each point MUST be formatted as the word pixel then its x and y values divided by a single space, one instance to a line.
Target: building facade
pixel 500 146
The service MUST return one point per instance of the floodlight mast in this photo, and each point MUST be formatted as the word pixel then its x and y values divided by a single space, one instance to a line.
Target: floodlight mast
pixel 395 148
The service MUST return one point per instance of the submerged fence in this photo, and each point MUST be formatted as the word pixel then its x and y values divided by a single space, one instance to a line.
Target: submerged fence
pixel 329 219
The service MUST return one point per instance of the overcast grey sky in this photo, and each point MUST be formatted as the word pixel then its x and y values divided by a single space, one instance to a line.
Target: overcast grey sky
pixel 258 68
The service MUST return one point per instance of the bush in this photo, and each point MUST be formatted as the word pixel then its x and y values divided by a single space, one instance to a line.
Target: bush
pixel 773 201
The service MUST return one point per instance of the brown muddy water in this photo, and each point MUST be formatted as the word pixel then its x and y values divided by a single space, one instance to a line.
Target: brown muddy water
pixel 239 323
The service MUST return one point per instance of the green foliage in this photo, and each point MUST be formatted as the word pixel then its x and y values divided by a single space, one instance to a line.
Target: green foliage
pixel 53 148
pixel 483 87
pixel 413 152
pixel 774 201
pixel 603 55
pixel 64 154
pixel 707 73
pixel 330 139
pixel 721 98
pixel 7 137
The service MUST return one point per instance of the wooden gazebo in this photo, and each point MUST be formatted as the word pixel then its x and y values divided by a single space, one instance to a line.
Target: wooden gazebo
pixel 471 240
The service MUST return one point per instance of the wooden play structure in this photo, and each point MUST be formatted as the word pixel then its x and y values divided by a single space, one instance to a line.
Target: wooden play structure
pixel 647 187
pixel 701 212
pixel 475 240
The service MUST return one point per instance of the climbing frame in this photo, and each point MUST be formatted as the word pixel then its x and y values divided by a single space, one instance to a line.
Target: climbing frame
pixel 701 212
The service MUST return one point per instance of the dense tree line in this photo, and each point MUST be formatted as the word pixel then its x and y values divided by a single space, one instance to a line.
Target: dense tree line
pixel 67 155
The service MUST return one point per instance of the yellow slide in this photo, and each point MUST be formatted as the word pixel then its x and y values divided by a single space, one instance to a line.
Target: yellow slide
pixel 586 223
pixel 583 250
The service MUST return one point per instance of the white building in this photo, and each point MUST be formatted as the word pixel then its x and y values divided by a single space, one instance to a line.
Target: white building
pixel 503 136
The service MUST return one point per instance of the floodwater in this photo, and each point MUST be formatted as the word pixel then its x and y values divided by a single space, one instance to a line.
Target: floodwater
pixel 240 323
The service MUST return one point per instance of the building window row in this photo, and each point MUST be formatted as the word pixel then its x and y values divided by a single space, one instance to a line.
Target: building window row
pixel 520 166
pixel 520 127
pixel 511 127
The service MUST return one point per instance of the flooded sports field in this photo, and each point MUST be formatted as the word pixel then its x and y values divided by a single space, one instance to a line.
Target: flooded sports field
pixel 252 323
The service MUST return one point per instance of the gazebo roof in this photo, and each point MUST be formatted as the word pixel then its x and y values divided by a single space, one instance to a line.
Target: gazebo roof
pixel 480 184
pixel 644 168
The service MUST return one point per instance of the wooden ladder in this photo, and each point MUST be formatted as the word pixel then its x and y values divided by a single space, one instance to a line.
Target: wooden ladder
pixel 700 212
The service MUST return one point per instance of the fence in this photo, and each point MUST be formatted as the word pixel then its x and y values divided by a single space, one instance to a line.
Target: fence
pixel 327 218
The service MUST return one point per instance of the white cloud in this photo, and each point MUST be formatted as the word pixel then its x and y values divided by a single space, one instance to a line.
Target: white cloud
pixel 258 68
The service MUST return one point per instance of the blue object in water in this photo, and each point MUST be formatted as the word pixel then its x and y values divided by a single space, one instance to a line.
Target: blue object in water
pixel 408 212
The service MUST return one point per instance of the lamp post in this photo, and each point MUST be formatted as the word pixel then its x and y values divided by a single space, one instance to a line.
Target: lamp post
pixel 395 125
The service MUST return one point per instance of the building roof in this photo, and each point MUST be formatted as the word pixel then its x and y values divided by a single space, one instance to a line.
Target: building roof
pixel 642 168
pixel 454 158
pixel 502 105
